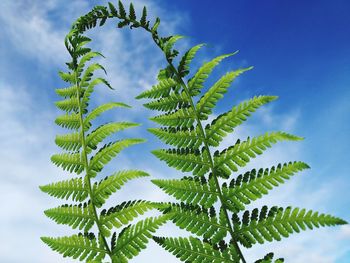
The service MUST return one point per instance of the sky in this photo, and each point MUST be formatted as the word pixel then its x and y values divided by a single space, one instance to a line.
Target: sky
pixel 299 50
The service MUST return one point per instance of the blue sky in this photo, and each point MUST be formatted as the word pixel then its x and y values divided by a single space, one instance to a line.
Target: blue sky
pixel 299 50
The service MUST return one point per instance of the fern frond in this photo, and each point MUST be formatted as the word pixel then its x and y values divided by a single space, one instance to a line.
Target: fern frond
pixel 181 138
pixel 69 121
pixel 169 44
pixel 88 73
pixel 105 154
pixel 90 89
pixel 183 117
pixel 67 77
pixel 67 92
pixel 262 226
pixel 101 109
pixel 103 131
pixel 84 247
pixel 269 259
pixel 123 214
pixel 199 221
pixel 253 185
pixel 77 216
pixel 73 188
pixel 169 103
pixel 162 89
pixel 69 142
pixel 193 250
pixel 185 159
pixel 209 99
pixel 185 61
pixel 111 184
pixel 86 58
pixel 241 153
pixel 68 105
pixel 135 237
pixel 225 123
pixel 196 83
pixel 69 162
pixel 190 190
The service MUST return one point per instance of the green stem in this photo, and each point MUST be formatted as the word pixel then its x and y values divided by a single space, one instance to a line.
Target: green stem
pixel 206 146
pixel 86 164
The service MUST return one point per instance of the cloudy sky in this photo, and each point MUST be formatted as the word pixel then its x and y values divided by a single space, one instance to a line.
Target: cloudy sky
pixel 300 51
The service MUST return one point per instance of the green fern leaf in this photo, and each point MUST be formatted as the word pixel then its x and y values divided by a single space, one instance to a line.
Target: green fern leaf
pixel 69 162
pixel 69 121
pixel 196 83
pixel 226 122
pixel 135 237
pixel 73 188
pixel 198 221
pixel 67 92
pixel 77 216
pixel 68 105
pixel 67 77
pixel 143 20
pixel 86 58
pixel 109 185
pixel 88 73
pixel 181 138
pixel 278 223
pixel 191 190
pixel 193 250
pixel 185 159
pixel 183 117
pixel 101 109
pixel 122 11
pixel 123 214
pixel 132 14
pixel 208 101
pixel 185 61
pixel 105 154
pixel 161 90
pixel 103 131
pixel 241 153
pixel 253 185
pixel 169 44
pixel 172 102
pixel 84 247
pixel 269 259
pixel 86 97
pixel 69 142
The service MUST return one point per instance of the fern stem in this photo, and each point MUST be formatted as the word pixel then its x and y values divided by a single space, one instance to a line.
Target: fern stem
pixel 206 146
pixel 86 164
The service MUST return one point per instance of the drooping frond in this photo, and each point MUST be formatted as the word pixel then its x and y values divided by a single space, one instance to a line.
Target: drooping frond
pixel 254 184
pixel 69 162
pixel 86 58
pixel 73 188
pixel 184 65
pixel 111 184
pixel 135 237
pixel 69 142
pixel 202 222
pixel 181 138
pixel 109 151
pixel 162 89
pixel 259 227
pixel 196 83
pixel 103 131
pixel 77 216
pixel 88 73
pixel 123 214
pixel 209 99
pixel 185 159
pixel 89 90
pixel 195 191
pixel 84 247
pixel 241 153
pixel 193 250
pixel 225 123
pixel 69 121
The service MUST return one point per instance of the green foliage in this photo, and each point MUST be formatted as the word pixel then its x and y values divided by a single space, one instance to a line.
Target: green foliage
pixel 214 199
pixel 83 152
